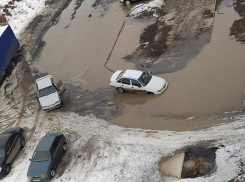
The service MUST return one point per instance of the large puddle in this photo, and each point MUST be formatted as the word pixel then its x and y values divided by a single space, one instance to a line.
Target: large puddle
pixel 211 84
pixel 77 49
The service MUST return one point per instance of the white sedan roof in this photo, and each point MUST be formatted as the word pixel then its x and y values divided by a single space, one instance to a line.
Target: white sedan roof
pixel 135 74
pixel 44 82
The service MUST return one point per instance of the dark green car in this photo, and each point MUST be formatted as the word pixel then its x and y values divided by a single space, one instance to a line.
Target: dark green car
pixel 11 141
pixel 46 157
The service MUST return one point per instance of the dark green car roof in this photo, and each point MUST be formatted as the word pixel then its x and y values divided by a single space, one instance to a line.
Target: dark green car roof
pixel 45 143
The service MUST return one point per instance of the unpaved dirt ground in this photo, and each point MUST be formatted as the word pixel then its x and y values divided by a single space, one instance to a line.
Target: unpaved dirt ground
pixel 238 27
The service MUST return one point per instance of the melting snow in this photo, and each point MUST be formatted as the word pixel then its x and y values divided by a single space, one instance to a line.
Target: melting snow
pixel 23 13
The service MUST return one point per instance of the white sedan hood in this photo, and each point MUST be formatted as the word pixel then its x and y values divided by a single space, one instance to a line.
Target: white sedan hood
pixel 49 99
pixel 155 84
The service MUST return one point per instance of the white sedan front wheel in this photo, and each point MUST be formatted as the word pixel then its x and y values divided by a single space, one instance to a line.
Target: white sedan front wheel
pixel 150 93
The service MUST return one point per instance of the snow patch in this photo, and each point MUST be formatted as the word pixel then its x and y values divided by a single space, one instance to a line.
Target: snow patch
pixel 23 13
pixel 138 9
pixel 2 29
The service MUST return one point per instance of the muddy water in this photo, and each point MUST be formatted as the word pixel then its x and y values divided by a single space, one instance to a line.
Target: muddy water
pixel 212 83
pixel 77 49
pixel 197 95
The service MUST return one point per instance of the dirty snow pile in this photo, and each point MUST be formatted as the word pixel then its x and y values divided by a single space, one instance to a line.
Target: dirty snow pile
pixel 139 9
pixel 22 13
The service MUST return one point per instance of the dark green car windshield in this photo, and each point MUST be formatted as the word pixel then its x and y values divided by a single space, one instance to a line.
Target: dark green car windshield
pixel 41 156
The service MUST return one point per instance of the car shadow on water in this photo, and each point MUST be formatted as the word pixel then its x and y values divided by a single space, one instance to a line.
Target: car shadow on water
pixel 104 103
pixel 135 98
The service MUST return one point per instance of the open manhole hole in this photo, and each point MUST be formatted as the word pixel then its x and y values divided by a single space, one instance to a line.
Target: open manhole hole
pixel 194 162
pixel 189 164
pixel 198 161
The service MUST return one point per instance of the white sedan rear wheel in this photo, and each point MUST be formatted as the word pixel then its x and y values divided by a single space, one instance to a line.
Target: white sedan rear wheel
pixel 120 90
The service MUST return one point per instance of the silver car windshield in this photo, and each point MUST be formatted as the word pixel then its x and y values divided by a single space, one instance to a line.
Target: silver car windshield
pixel 2 153
pixel 41 156
pixel 145 78
pixel 47 91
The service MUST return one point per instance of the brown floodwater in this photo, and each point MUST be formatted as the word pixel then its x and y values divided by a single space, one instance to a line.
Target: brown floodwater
pixel 77 54
pixel 211 84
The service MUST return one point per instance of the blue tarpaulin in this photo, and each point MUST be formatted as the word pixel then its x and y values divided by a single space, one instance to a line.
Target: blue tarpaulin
pixel 8 47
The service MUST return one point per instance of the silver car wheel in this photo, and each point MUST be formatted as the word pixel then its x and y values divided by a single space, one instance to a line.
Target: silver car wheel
pixel 7 169
pixel 64 147
pixel 52 173
pixel 22 142
pixel 127 3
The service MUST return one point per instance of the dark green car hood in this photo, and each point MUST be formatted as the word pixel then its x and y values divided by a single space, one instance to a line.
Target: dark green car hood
pixel 37 169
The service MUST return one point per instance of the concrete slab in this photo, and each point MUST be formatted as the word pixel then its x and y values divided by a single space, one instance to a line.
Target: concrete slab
pixel 173 165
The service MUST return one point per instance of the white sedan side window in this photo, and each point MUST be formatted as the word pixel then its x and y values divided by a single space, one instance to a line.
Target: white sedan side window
pixel 126 81
pixel 136 83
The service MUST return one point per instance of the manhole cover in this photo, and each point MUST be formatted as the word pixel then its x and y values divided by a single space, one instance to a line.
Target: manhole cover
pixel 189 164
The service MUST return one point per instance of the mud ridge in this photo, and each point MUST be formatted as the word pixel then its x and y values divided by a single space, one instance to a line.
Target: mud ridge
pixel 238 27
pixel 180 31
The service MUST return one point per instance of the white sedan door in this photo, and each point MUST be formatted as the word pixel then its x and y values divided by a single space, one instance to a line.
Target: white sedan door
pixel 61 87
pixel 126 85
pixel 137 87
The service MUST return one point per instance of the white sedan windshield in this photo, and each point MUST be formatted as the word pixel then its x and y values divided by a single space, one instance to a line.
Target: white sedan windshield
pixel 145 78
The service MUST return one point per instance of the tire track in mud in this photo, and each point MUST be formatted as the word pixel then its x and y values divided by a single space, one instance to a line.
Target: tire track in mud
pixel 26 87
pixel 10 100
pixel 78 136
pixel 33 129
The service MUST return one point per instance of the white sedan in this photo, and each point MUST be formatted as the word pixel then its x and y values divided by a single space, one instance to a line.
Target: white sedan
pixel 49 93
pixel 137 81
